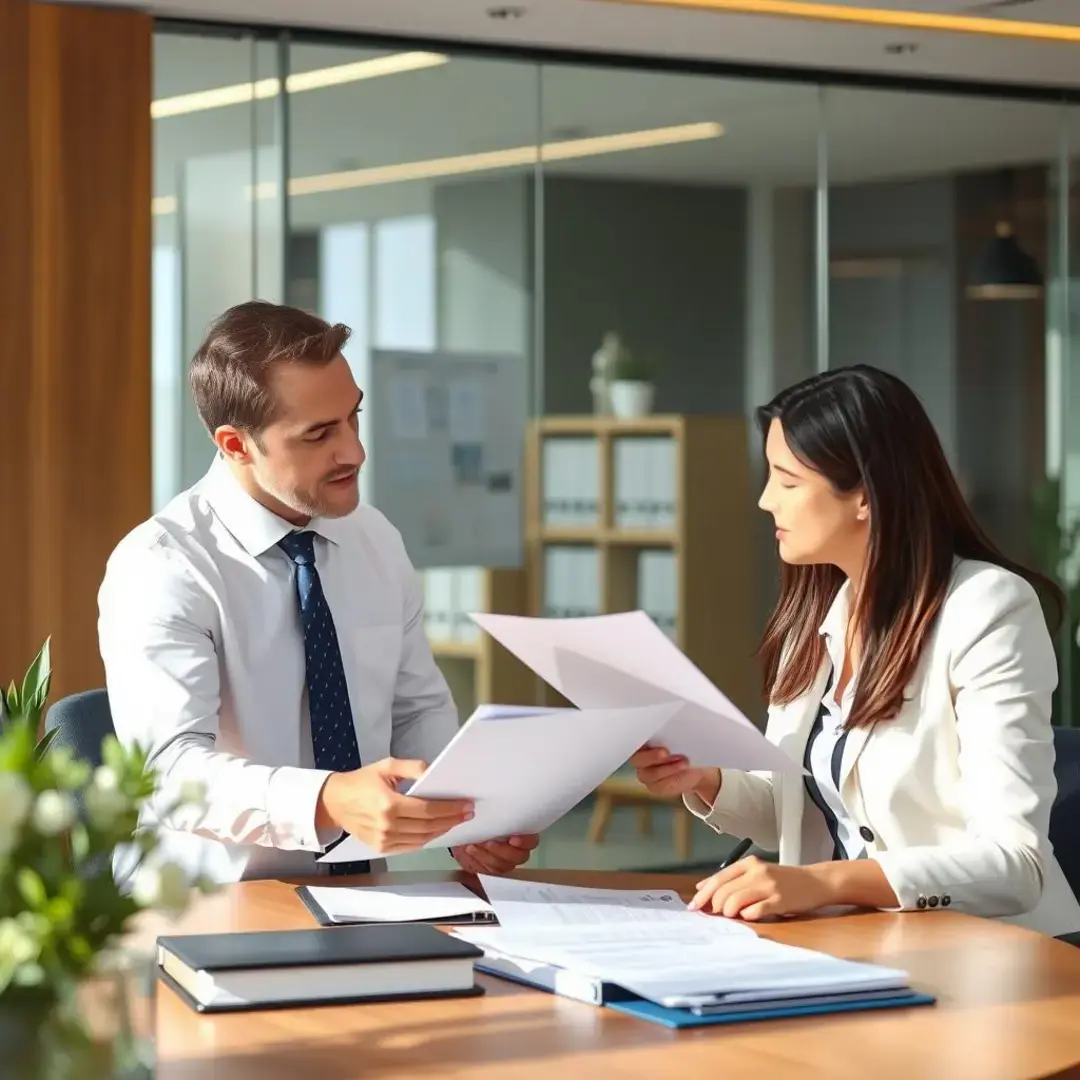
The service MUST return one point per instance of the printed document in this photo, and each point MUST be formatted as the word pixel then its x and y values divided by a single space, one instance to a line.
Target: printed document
pixel 609 661
pixel 524 772
pixel 657 949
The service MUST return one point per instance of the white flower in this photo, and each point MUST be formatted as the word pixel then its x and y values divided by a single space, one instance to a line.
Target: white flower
pixel 105 804
pixel 15 800
pixel 193 792
pixel 54 812
pixel 17 946
pixel 163 886
pixel 105 778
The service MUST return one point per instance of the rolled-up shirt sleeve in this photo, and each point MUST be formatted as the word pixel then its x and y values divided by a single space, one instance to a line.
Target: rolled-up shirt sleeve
pixel 157 630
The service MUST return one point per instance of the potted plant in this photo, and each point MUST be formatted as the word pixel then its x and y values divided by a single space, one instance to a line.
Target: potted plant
pixel 62 915
pixel 631 385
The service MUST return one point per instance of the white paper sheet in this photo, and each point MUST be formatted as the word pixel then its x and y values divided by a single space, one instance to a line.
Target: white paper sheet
pixel 683 962
pixel 523 906
pixel 626 659
pixel 524 772
pixel 398 903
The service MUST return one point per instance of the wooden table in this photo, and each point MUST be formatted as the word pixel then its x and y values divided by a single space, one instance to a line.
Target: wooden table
pixel 1008 1007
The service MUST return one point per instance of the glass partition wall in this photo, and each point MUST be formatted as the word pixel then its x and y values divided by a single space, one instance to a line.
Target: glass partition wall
pixel 735 234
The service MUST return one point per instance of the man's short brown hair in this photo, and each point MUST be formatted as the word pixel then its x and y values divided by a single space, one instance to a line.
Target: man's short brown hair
pixel 230 373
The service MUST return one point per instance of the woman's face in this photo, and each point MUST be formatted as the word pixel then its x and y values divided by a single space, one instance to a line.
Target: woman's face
pixel 814 522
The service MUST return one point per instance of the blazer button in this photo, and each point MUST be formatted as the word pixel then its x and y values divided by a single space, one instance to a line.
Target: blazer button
pixel 946 900
pixel 933 901
pixel 866 833
pixel 921 902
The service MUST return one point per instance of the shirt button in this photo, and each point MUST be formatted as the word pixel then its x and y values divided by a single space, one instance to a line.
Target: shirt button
pixel 866 833
pixel 933 901
pixel 921 902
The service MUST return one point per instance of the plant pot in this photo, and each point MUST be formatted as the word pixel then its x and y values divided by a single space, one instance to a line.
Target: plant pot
pixel 631 398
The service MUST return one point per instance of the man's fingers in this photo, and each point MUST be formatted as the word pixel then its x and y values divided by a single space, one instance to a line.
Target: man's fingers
pixel 527 841
pixel 404 768
pixel 434 810
pixel 501 851
pixel 484 861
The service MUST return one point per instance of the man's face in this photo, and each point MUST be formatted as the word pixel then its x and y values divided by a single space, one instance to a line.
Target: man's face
pixel 308 459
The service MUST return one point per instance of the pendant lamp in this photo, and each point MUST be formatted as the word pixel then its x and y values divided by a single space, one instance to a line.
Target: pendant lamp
pixel 1005 271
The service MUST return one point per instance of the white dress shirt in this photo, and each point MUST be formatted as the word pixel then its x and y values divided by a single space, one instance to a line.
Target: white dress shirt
pixel 203 649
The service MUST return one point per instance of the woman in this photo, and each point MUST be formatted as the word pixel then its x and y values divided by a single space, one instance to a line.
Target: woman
pixel 908 667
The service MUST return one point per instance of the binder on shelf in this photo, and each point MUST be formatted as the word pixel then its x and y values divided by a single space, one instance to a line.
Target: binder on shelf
pixel 571 482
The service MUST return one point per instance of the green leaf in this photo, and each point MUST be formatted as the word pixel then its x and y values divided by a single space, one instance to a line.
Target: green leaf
pixel 35 687
pixel 32 888
pixel 42 747
pixel 11 705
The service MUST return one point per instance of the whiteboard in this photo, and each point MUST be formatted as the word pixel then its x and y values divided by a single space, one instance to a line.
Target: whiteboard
pixel 445 440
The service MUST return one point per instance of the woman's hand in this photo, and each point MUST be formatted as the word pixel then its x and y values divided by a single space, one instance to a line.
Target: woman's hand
pixel 667 774
pixel 752 889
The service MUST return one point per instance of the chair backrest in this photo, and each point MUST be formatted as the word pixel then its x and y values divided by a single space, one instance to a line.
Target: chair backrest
pixel 1065 813
pixel 81 722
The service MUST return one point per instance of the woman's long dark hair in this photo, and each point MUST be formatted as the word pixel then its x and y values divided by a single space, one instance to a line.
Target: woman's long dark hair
pixel 863 428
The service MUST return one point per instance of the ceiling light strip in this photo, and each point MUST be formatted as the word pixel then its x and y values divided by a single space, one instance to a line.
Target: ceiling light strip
pixel 244 93
pixel 883 17
pixel 514 157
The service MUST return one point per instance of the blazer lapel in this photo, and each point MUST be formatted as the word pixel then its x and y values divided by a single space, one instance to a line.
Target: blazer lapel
pixel 856 742
pixel 798 719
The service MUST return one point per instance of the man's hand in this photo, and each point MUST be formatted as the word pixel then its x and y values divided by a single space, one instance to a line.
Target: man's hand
pixel 667 774
pixel 367 804
pixel 496 856
pixel 752 889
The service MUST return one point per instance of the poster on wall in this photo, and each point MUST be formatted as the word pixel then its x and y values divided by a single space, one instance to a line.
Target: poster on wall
pixel 445 439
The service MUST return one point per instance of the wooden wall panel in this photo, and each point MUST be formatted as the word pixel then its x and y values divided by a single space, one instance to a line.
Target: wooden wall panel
pixel 16 338
pixel 77 473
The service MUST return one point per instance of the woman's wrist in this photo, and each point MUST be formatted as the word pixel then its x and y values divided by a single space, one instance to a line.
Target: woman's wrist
pixel 858 882
pixel 708 786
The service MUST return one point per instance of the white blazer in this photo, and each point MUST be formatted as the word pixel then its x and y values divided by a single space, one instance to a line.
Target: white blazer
pixel 953 795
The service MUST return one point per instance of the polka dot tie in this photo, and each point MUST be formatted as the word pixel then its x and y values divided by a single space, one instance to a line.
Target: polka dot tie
pixel 332 731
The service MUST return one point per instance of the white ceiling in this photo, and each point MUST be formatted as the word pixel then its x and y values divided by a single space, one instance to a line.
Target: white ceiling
pixel 471 105
pixel 664 31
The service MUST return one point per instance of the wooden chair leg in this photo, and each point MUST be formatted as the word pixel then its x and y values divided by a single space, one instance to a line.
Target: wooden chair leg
pixel 644 819
pixel 684 823
pixel 601 818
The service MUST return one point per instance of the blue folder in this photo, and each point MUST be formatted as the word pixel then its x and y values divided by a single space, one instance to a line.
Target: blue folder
pixel 684 1018
pixel 611 996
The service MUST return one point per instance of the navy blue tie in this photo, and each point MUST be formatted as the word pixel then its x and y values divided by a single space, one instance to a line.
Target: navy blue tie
pixel 332 732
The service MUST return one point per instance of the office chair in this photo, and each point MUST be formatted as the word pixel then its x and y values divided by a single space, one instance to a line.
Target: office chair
pixel 81 722
pixel 1065 813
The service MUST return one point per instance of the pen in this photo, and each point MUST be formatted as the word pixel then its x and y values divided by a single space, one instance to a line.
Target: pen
pixel 736 853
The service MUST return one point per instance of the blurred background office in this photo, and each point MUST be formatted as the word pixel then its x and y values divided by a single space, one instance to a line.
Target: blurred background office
pixel 711 229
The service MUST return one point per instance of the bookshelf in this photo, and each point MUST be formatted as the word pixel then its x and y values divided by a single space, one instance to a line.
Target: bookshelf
pixel 670 492
pixel 654 513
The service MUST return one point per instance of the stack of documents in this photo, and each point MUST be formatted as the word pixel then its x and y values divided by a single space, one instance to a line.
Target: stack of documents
pixel 428 902
pixel 645 954
pixel 524 768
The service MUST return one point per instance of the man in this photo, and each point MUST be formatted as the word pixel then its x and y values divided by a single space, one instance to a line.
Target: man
pixel 263 633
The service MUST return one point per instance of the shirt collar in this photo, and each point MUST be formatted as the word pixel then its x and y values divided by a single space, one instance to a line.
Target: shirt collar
pixel 834 626
pixel 256 528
